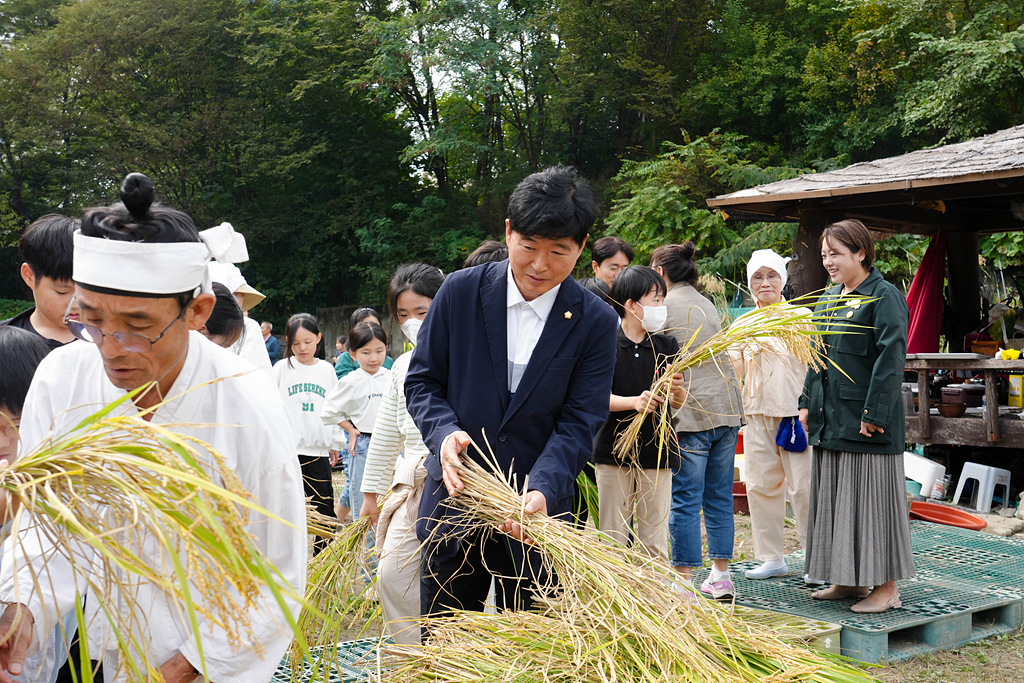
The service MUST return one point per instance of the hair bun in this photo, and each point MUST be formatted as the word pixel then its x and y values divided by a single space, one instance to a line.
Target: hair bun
pixel 137 195
pixel 687 250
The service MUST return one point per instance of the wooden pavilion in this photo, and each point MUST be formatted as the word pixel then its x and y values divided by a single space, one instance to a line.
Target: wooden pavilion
pixel 966 189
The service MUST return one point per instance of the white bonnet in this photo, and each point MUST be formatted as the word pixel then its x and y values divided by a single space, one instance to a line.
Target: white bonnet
pixel 766 257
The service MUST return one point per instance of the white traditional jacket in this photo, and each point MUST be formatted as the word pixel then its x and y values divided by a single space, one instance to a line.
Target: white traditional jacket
pixel 255 443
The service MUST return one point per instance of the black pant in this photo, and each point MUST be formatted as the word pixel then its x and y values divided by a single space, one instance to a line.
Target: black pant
pixel 75 660
pixel 316 482
pixel 462 582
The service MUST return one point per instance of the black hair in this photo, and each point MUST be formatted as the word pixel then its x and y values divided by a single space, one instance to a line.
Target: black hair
pixel 226 320
pixel 299 321
pixel 677 262
pixel 634 283
pixel 609 246
pixel 362 314
pixel 489 251
pixel 341 340
pixel 20 355
pixel 853 235
pixel 364 333
pixel 419 277
pixel 47 246
pixel 136 218
pixel 553 204
pixel 598 287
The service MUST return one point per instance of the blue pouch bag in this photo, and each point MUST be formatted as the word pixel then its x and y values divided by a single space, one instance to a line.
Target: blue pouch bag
pixel 791 436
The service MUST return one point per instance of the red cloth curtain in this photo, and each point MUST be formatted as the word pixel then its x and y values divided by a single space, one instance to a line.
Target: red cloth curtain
pixel 925 298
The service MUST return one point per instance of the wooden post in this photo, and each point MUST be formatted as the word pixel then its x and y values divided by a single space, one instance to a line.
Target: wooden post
pixel 806 274
pixel 991 405
pixel 964 292
pixel 924 405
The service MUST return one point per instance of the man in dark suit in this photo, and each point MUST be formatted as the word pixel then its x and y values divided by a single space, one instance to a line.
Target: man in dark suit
pixel 520 350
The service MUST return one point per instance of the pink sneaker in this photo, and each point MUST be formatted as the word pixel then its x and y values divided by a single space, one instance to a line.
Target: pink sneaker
pixel 719 590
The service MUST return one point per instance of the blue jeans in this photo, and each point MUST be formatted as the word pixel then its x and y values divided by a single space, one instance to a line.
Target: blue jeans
pixel 351 495
pixel 704 478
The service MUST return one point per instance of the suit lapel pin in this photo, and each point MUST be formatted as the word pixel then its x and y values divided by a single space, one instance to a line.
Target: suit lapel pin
pixel 568 315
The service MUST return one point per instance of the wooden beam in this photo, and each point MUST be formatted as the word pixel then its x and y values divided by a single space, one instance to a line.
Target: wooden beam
pixel 967 431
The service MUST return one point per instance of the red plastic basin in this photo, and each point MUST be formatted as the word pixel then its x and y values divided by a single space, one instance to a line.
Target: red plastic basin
pixel 943 514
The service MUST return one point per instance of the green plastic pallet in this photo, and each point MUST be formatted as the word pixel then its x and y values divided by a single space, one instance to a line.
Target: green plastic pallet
pixel 354 661
pixel 812 632
pixel 941 607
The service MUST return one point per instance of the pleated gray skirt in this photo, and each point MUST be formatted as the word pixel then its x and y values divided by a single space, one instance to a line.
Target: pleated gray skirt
pixel 858 531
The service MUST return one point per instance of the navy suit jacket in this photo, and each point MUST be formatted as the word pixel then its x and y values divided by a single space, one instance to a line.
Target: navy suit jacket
pixel 458 380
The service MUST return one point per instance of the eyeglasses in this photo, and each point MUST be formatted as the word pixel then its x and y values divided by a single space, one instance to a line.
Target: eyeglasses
pixel 129 341
pixel 771 277
pixel 614 268
pixel 9 429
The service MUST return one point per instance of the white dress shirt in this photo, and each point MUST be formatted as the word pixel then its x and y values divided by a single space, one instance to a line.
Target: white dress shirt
pixel 526 321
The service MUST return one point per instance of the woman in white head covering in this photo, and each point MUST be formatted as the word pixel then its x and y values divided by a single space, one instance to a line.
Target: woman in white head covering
pixel 772 381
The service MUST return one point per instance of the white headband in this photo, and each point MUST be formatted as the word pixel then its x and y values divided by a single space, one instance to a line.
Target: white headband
pixel 155 268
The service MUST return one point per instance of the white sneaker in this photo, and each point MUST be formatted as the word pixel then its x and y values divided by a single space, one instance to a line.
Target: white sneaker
pixel 767 571
pixel 719 590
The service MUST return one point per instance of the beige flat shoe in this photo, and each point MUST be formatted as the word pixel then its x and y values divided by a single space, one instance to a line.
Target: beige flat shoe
pixel 834 593
pixel 892 603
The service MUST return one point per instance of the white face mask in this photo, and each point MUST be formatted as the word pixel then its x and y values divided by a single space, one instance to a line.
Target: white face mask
pixel 410 328
pixel 654 318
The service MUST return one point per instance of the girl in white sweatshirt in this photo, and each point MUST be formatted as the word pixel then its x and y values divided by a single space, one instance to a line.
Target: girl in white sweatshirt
pixel 354 402
pixel 304 382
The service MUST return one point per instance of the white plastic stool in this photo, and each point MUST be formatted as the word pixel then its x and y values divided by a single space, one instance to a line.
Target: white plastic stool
pixel 988 479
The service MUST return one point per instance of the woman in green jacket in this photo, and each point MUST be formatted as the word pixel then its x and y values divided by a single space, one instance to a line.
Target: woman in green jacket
pixel 858 535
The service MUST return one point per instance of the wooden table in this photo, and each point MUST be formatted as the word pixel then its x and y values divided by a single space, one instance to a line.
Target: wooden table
pixel 990 431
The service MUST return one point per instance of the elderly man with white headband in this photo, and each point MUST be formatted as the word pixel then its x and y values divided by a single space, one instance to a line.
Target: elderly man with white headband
pixel 142 288
pixel 772 381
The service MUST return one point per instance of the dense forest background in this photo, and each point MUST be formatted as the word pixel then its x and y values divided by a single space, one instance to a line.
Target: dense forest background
pixel 343 137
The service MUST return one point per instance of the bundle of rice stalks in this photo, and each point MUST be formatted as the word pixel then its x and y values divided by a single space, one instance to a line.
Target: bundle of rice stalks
pixel 114 488
pixel 785 325
pixel 339 597
pixel 615 615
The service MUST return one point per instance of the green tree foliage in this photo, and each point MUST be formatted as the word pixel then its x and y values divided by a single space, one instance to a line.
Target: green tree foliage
pixel 661 201
pixel 344 137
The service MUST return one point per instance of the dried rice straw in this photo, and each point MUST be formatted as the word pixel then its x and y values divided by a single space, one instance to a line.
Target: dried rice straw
pixel 113 485
pixel 798 330
pixel 615 615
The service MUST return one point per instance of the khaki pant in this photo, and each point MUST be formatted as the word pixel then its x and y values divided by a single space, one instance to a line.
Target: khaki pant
pixel 635 502
pixel 398 571
pixel 771 472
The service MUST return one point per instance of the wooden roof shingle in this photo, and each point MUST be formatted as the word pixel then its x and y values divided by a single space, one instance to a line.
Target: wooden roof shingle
pixel 995 156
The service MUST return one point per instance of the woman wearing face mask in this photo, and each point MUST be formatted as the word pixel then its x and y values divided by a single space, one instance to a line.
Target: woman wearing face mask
pixel 410 292
pixel 772 382
pixel 634 490
pixel 707 426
